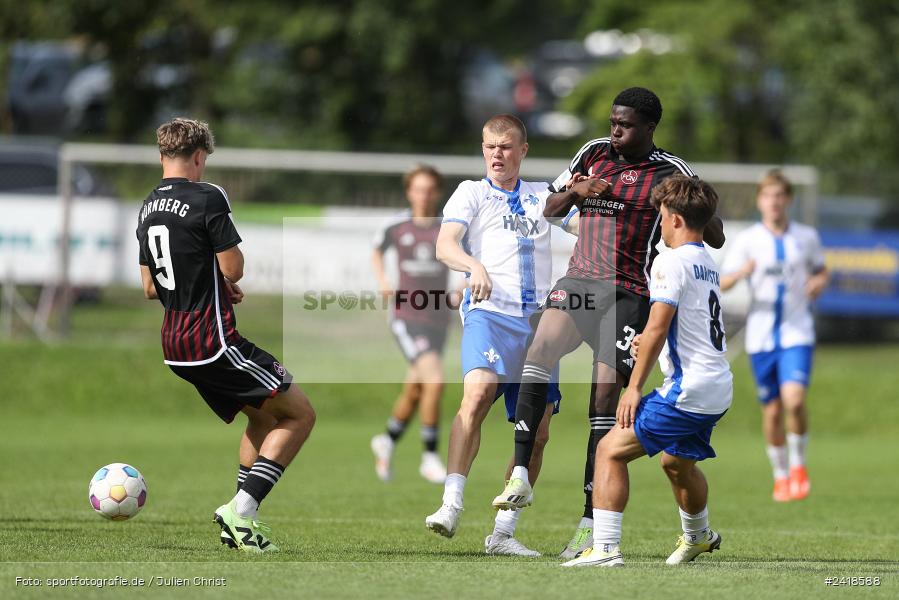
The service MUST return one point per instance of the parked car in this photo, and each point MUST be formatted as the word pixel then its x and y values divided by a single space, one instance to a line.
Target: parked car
pixel 31 166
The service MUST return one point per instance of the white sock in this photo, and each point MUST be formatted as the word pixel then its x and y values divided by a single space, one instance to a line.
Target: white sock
pixel 696 527
pixel 246 505
pixel 778 457
pixel 606 527
pixel 506 520
pixel 586 522
pixel 520 473
pixel 454 489
pixel 797 442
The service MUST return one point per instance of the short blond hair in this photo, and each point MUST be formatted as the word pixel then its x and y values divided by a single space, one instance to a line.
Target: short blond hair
pixel 776 177
pixel 183 137
pixel 502 123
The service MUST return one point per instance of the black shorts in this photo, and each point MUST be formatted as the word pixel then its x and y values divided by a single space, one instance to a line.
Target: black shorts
pixel 608 317
pixel 243 375
pixel 417 338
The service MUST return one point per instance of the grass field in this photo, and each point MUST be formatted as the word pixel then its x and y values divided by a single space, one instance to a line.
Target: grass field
pixel 104 396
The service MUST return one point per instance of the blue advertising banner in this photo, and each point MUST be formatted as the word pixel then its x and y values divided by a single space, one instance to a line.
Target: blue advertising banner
pixel 864 268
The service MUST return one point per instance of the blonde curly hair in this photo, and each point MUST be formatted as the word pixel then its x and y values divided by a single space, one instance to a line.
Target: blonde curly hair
pixel 183 137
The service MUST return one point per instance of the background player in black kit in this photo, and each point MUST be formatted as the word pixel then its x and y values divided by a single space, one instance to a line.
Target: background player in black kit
pixel 420 333
pixel 604 298
pixel 190 261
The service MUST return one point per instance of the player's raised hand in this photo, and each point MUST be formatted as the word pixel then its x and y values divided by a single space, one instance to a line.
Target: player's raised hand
pixel 627 408
pixel 575 178
pixel 480 283
pixel 235 294
pixel 591 187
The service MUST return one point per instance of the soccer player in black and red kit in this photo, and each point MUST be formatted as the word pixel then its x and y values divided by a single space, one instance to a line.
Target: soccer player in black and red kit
pixel 418 325
pixel 191 262
pixel 603 299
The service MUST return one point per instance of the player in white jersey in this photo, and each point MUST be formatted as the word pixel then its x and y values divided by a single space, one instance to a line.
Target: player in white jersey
pixel 784 265
pixel 494 231
pixel 685 333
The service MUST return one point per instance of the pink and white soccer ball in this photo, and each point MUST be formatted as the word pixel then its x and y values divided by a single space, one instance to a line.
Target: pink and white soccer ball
pixel 117 491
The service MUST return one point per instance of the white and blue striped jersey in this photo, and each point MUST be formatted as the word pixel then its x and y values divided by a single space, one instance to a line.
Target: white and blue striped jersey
pixel 697 375
pixel 780 312
pixel 508 234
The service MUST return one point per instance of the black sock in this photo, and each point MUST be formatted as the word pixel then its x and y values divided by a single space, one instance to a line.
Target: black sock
pixel 599 427
pixel 242 473
pixel 395 428
pixel 262 478
pixel 429 437
pixel 529 410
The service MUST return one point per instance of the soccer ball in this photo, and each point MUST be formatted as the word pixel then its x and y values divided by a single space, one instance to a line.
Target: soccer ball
pixel 117 491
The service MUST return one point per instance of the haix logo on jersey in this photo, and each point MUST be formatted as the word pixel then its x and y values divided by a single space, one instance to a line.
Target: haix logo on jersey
pixel 526 226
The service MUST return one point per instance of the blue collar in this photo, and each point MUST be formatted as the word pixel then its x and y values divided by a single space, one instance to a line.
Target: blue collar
pixel 507 192
pixel 700 244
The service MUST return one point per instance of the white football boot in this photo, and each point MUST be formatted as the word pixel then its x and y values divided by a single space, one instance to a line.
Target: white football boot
pixel 604 555
pixel 444 521
pixel 382 447
pixel 503 545
pixel 432 468
pixel 687 552
pixel 517 494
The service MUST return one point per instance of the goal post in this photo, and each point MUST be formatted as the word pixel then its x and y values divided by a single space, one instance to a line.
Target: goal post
pixel 735 182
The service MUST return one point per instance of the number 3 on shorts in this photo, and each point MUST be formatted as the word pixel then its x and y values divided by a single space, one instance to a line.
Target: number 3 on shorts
pixel 629 335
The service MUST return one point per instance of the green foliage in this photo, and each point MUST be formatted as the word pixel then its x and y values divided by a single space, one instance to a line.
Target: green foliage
pixel 763 81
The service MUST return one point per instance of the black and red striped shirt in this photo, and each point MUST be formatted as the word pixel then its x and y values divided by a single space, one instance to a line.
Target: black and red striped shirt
pixel 421 275
pixel 181 226
pixel 618 233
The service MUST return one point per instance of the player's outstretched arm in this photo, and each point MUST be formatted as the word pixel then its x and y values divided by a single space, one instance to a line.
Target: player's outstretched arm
pixel 147 281
pixel 450 253
pixel 817 282
pixel 651 342
pixel 729 280
pixel 231 263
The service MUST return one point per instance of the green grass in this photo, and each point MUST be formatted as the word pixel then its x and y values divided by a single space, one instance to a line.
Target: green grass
pixel 104 396
pixel 273 213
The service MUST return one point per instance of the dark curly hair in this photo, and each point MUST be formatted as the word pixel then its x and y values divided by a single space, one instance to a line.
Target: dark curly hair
pixel 643 101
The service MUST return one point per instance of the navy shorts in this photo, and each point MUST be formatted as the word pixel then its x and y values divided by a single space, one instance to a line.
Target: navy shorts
pixel 661 426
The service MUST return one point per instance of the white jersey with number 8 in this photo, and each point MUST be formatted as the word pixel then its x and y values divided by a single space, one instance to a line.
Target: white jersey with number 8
pixel 697 375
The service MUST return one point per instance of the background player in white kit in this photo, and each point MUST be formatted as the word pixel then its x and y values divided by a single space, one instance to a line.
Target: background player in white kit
pixel 784 265
pixel 494 231
pixel 677 418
